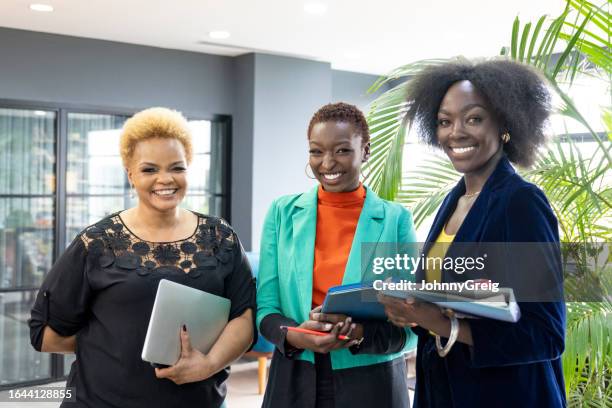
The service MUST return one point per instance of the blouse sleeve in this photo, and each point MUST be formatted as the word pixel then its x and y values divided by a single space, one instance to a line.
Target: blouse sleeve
pixel 539 334
pixel 62 302
pixel 240 286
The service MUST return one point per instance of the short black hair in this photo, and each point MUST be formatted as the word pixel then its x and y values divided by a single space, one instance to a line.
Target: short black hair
pixel 517 95
pixel 342 112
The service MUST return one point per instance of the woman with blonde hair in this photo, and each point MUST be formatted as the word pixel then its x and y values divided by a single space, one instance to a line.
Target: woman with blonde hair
pixel 97 299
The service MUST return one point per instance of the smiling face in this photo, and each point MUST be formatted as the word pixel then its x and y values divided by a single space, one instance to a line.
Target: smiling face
pixel 158 172
pixel 336 154
pixel 467 131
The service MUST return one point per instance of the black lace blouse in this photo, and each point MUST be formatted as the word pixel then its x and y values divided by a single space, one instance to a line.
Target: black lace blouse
pixel 102 289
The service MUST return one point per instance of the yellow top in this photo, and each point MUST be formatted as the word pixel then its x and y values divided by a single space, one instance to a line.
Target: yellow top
pixel 435 257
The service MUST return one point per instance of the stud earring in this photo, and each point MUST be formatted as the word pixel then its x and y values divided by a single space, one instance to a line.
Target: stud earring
pixel 306 171
pixel 505 137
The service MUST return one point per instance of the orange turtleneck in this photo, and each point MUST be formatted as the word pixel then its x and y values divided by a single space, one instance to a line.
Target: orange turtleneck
pixel 337 217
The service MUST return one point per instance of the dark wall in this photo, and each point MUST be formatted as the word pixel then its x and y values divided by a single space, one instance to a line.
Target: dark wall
pixel 287 93
pixel 352 87
pixel 62 69
pixel 242 147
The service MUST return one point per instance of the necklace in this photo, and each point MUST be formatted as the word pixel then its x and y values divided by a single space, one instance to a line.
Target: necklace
pixel 471 195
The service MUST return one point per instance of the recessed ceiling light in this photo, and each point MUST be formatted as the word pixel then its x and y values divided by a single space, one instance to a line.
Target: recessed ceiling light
pixel 40 113
pixel 315 8
pixel 41 7
pixel 219 35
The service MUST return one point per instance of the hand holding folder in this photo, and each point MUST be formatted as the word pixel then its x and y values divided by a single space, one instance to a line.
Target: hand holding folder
pixel 473 304
pixel 356 300
pixel 360 301
pixel 313 332
pixel 320 336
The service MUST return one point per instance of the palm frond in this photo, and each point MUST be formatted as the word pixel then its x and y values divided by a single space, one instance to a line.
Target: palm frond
pixel 424 189
pixel 386 119
pixel 588 350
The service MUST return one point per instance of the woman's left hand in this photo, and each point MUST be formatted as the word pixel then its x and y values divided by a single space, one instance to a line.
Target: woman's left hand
pixel 317 315
pixel 407 312
pixel 192 366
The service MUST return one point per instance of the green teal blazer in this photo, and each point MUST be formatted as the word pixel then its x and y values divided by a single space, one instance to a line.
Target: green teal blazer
pixel 284 283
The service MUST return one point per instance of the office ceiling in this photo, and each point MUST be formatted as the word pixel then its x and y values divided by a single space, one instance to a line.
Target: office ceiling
pixel 372 36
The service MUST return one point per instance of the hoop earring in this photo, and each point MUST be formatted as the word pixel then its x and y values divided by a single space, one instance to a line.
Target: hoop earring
pixel 505 137
pixel 364 177
pixel 306 171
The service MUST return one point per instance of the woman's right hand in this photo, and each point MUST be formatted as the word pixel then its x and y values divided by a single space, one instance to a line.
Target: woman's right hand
pixel 322 344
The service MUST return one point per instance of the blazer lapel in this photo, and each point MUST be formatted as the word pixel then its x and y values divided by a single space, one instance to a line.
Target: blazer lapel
pixel 475 218
pixel 472 224
pixel 445 211
pixel 304 231
pixel 369 230
pixel 470 229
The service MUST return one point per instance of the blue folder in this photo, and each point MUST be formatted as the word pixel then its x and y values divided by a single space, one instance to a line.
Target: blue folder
pixel 360 302
pixel 356 300
pixel 465 307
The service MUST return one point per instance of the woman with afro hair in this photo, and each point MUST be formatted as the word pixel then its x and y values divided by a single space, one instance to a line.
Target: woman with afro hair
pixel 485 116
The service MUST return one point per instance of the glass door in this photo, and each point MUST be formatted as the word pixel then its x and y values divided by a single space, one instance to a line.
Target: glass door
pixel 27 220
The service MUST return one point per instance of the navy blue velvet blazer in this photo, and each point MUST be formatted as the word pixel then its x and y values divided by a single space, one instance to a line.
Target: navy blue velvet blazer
pixel 509 364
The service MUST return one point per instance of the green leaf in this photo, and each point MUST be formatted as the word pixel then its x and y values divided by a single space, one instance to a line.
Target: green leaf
pixel 513 43
pixel 569 48
pixel 534 37
pixel 524 38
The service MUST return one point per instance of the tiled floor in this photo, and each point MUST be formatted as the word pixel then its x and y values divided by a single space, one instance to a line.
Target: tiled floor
pixel 242 387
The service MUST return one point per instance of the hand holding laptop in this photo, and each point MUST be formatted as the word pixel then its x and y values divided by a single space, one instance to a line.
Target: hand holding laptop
pixel 192 366
pixel 181 307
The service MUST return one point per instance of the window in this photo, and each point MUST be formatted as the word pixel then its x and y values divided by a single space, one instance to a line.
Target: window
pixel 60 171
pixel 27 198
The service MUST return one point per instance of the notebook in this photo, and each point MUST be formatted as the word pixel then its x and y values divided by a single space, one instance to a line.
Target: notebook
pixel 204 314
pixel 356 300
pixel 498 306
pixel 360 301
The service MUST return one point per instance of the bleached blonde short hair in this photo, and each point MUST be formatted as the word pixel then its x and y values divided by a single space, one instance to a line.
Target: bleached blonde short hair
pixel 153 123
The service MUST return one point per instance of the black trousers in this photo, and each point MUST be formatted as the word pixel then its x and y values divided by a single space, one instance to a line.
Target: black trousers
pixel 325 381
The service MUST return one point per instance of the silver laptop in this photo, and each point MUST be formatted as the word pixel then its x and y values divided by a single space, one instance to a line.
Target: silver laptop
pixel 204 314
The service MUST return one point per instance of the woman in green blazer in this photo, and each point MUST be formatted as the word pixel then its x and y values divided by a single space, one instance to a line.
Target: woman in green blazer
pixel 295 255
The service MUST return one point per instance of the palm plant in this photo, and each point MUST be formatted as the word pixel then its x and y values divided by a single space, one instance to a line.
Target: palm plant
pixel 579 188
